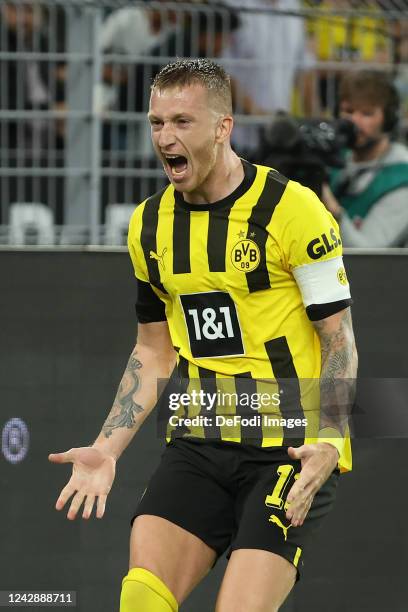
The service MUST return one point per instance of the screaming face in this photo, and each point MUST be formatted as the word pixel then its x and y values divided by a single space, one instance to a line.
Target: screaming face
pixel 184 133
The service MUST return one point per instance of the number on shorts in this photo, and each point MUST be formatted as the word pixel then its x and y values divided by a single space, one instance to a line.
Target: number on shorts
pixel 275 500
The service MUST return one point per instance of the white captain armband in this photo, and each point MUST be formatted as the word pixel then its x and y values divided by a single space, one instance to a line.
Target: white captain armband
pixel 324 287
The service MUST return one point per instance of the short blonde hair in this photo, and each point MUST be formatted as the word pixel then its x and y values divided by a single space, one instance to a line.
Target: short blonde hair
pixel 211 76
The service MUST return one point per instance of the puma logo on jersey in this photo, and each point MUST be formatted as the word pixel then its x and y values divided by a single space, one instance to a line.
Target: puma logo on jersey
pixel 159 258
pixel 274 519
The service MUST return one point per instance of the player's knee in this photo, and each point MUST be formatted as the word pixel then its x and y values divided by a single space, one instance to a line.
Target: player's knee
pixel 142 591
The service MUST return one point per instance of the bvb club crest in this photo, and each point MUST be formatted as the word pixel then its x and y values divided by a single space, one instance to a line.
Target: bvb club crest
pixel 245 255
pixel 342 277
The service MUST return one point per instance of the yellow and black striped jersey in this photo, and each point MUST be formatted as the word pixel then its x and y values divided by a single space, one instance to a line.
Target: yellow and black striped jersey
pixel 241 279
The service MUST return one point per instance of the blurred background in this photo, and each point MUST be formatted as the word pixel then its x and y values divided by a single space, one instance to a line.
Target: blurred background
pixel 76 159
pixel 75 77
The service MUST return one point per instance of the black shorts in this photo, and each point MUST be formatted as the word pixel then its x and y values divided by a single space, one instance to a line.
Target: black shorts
pixel 232 496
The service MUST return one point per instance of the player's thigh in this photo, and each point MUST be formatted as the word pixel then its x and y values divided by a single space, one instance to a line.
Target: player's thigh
pixel 185 518
pixel 179 558
pixel 255 581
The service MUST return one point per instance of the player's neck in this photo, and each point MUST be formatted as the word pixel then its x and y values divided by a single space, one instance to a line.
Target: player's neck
pixel 224 178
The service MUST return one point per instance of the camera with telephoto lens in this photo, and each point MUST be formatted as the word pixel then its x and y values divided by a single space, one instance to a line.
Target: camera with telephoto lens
pixel 304 150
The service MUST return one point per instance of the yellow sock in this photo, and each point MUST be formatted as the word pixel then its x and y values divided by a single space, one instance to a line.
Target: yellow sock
pixel 142 591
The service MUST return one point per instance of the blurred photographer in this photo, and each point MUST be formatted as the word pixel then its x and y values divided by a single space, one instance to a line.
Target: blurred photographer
pixel 369 195
pixel 305 150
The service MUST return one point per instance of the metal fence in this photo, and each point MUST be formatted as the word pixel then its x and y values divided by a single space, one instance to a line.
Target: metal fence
pixel 75 81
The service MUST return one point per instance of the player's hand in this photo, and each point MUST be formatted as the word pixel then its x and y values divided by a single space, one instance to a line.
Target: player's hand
pixel 318 461
pixel 93 473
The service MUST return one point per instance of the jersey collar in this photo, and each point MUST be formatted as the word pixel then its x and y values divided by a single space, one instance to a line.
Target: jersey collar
pixel 228 201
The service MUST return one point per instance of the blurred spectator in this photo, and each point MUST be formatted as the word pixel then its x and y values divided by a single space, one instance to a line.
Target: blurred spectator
pixel 59 104
pixel 369 195
pixel 205 33
pixel 265 56
pixel 345 38
pixel 131 32
pixel 23 83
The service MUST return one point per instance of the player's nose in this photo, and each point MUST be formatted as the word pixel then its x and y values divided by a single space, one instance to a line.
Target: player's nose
pixel 166 137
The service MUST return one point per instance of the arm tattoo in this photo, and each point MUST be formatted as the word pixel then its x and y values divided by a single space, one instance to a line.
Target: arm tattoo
pixel 339 370
pixel 125 409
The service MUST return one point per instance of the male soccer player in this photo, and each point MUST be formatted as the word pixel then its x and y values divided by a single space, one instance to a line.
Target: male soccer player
pixel 241 284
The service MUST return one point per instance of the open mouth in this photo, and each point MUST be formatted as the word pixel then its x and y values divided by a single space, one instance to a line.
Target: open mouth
pixel 177 164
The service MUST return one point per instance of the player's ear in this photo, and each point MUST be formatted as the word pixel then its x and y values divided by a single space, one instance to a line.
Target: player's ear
pixel 224 128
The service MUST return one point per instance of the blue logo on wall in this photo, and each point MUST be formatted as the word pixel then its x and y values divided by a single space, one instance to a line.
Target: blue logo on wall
pixel 15 440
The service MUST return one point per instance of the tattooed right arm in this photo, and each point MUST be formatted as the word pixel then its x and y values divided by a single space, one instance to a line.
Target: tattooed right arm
pixel 125 409
pixel 152 358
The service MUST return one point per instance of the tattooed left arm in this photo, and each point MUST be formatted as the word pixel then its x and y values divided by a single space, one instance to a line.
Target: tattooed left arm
pixel 337 390
pixel 338 371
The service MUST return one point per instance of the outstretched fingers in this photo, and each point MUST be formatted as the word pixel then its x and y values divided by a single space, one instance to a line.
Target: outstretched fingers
pixel 79 499
pixel 88 506
pixel 64 496
pixel 75 505
pixel 101 505
pixel 90 483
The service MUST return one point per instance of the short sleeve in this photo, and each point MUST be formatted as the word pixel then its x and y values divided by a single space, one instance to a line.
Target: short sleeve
pixel 312 251
pixel 149 307
pixel 134 246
